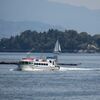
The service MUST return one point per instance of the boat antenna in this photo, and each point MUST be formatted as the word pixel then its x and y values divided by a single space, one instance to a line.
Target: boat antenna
pixel 29 52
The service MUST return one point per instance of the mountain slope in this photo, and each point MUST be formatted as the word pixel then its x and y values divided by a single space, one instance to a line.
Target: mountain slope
pixel 8 28
pixel 65 15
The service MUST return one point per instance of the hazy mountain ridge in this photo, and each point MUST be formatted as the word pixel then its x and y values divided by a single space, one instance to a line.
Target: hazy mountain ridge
pixel 11 28
pixel 55 14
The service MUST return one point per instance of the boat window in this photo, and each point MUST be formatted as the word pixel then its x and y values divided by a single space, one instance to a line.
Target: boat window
pixel 41 64
pixel 35 63
pixel 53 63
pixel 25 62
pixel 37 60
pixel 30 63
pixel 50 61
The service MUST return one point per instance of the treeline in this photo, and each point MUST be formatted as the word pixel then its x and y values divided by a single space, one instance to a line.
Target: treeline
pixel 70 40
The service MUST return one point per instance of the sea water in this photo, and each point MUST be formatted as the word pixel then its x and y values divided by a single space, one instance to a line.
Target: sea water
pixel 80 82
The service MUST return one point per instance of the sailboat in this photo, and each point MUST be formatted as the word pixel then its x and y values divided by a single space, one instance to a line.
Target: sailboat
pixel 57 48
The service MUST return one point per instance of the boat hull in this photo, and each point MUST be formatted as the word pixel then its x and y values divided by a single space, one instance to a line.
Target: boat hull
pixel 34 68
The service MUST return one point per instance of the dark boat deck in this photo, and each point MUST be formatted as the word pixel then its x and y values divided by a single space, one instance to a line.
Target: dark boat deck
pixel 71 64
pixel 7 62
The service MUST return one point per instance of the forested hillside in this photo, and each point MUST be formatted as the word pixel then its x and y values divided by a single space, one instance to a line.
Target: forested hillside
pixel 70 40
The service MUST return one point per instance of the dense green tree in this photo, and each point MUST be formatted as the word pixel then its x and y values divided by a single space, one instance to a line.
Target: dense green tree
pixel 70 41
pixel 97 39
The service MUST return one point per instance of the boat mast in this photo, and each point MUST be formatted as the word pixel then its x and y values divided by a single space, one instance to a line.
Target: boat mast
pixel 29 52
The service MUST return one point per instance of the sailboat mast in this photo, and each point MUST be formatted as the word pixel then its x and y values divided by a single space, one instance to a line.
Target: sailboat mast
pixel 57 48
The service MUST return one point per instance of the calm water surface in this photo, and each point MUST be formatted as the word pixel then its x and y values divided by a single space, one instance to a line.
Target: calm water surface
pixel 58 85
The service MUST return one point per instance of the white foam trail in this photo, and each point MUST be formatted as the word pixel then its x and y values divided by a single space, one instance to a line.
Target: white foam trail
pixel 74 69
pixel 11 69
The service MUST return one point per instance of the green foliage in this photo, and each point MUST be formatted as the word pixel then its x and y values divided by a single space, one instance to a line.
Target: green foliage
pixel 70 41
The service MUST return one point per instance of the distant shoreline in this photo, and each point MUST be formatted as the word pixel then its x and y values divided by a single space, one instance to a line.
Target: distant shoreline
pixel 70 41
pixel 49 52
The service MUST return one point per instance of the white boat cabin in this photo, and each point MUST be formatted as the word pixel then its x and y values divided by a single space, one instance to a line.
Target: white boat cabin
pixel 37 63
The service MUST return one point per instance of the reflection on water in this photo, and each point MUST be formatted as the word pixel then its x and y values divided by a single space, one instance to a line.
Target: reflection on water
pixel 77 84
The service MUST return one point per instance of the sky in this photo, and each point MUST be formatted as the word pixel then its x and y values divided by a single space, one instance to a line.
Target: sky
pixel 90 4
pixel 82 15
pixel 26 9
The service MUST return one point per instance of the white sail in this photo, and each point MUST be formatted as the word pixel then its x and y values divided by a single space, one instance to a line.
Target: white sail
pixel 57 48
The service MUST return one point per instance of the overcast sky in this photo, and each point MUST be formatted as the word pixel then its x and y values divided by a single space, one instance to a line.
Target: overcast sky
pixel 83 15
pixel 31 9
pixel 91 4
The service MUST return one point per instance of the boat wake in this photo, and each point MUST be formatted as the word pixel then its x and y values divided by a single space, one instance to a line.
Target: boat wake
pixel 12 69
pixel 78 69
